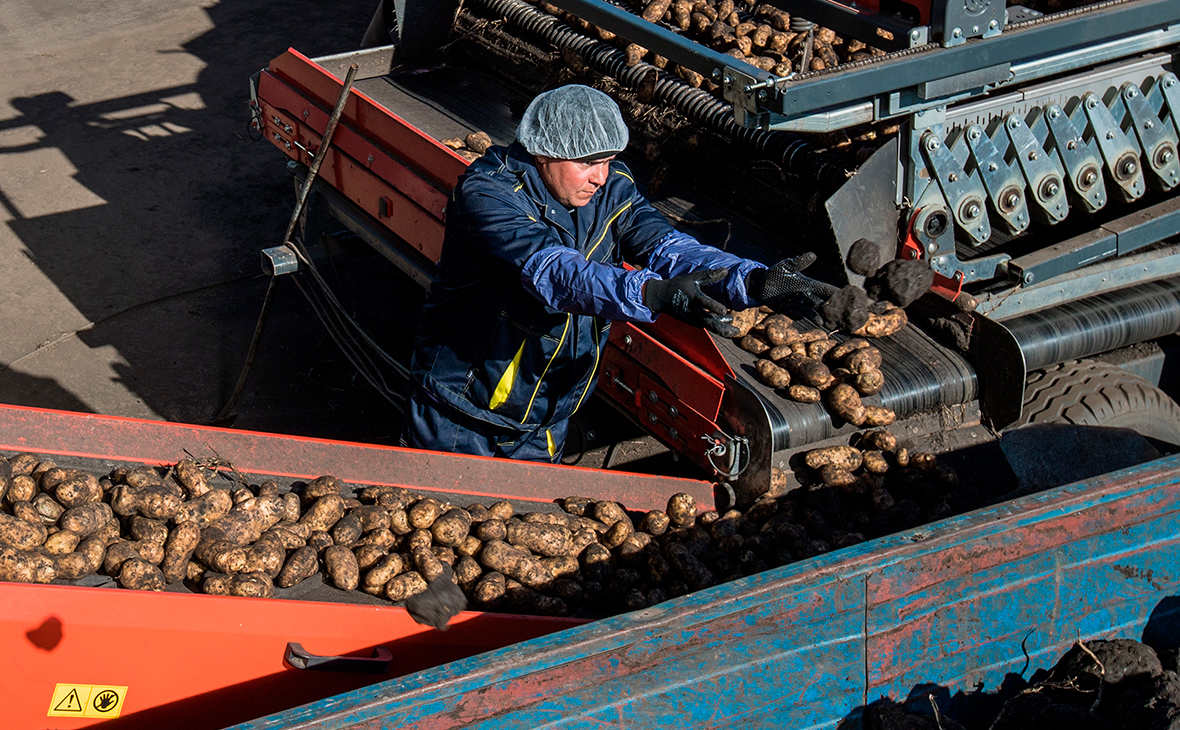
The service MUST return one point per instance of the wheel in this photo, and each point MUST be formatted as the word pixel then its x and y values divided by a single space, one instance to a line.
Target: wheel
pixel 1088 393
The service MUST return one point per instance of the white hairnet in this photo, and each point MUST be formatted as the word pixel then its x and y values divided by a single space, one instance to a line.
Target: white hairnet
pixel 572 122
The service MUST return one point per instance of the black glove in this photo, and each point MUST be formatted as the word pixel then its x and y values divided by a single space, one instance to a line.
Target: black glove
pixel 681 297
pixel 782 284
pixel 439 603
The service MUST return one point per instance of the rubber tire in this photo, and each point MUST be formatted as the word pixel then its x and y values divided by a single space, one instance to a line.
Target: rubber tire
pixel 1088 393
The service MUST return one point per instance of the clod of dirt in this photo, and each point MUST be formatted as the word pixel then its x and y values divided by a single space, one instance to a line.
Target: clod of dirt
pixel 900 281
pixel 864 257
pixel 439 603
pixel 890 716
pixel 846 310
pixel 954 331
pixel 1121 658
pixel 1036 711
pixel 1152 703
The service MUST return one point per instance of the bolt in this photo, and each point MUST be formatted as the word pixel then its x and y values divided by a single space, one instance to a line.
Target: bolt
pixel 1148 125
pixel 1166 156
pixel 1132 92
pixel 1169 83
pixel 1089 178
pixel 1110 135
pixel 1130 168
pixel 716 74
pixel 651 396
pixel 370 159
pixel 627 340
pixel 673 412
pixel 932 247
pixel 762 95
pixel 941 260
pixel 591 435
pixel 932 142
pixel 1071 145
pixel 652 418
pixel 727 80
pixel 992 167
pixel 1012 200
pixel 953 177
pixel 1091 101
pixel 957 33
pixel 672 433
pixel 1028 278
pixel 915 34
pixel 973 133
pixel 972 211
pixel 1032 155
pixel 993 25
pixel 1052 189
pixel 1054 112
pixel 306 112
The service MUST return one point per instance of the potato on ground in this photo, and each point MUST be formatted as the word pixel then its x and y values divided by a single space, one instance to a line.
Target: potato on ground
pixel 265 557
pixel 140 575
pixel 347 530
pixel 863 360
pixel 301 564
pixel 845 457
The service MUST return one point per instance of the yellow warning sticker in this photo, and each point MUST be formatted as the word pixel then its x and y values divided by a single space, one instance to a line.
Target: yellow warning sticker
pixel 86 700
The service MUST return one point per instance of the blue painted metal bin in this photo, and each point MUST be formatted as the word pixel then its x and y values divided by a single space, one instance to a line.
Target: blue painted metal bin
pixel 810 644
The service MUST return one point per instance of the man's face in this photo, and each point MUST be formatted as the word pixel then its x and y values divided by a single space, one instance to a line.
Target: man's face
pixel 572 182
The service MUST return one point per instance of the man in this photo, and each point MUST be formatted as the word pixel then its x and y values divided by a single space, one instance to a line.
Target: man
pixel 531 276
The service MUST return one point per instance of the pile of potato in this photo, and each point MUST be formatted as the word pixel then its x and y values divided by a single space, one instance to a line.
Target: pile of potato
pixel 471 147
pixel 147 527
pixel 809 366
pixel 758 33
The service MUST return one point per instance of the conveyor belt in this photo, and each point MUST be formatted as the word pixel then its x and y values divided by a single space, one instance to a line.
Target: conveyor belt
pixel 1098 324
pixel 919 374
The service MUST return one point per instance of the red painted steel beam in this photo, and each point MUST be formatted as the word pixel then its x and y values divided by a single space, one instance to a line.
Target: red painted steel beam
pixel 157 442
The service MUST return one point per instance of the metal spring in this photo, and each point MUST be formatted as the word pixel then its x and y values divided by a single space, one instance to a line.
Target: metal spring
pixel 794 155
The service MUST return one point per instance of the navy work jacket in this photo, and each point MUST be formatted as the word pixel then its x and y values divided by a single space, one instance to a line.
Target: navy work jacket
pixel 516 319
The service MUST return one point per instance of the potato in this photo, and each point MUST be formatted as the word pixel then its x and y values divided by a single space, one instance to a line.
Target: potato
pixel 548 540
pixel 321 487
pixel 879 440
pixel 178 551
pixel 140 575
pixel 48 509
pixel 845 457
pixel 490 589
pixel 819 348
pixel 23 464
pixel 284 535
pixel 874 462
pixel 387 568
pixel 804 394
pixel 617 534
pixel 143 528
pixel 478 141
pixel 470 546
pixel 744 321
pixel 424 512
pixel 301 564
pixel 772 375
pixel 581 539
pixel 372 517
pixel 844 401
pixel 152 501
pixel 878 416
pixel 62 542
pixel 839 352
pixel 320 540
pixel 221 555
pixel 265 557
pixel 863 360
pixel 835 476
pixel 118 553
pixel 689 568
pixel 426 563
pixel 467 572
pixel 21 534
pixel 324 512
pixel 383 538
pixel 577 506
pixel 453 143
pixel 530 601
pixel 451 527
pixel 347 530
pixel 77 489
pixel 869 383
pixel 608 513
pixel 42 466
pixel 903 457
pixel 369 555
pixel 632 547
pixel 753 343
pixel 501 510
pixel 881 499
pixel 209 507
pixel 681 510
pixel 25 567
pixel 883 325
pixel 809 371
pixel 403 586
pixel 73 566
pixel 514 563
pixel 217 585
pixel 22 489
pixel 341 567
pixel 654 522
pixel 778 330
pixel 923 460
pixel 191 478
pixel 252 585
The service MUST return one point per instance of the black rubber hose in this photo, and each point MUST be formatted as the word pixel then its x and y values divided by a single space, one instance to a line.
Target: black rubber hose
pixel 795 155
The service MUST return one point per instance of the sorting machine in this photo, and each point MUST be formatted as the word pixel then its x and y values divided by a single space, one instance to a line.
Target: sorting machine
pixel 1029 158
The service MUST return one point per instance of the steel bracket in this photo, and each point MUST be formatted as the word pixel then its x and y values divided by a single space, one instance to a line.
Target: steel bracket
pixel 1156 137
pixel 1120 156
pixel 1004 185
pixel 964 191
pixel 1081 164
pixel 1042 172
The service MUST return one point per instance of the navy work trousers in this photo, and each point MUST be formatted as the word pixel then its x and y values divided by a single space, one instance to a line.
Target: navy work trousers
pixel 434 426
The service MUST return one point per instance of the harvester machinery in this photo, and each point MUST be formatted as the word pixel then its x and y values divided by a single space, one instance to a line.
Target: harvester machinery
pixel 1029 158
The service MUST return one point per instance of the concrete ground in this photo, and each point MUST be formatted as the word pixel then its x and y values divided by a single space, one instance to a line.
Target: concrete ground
pixel 133 206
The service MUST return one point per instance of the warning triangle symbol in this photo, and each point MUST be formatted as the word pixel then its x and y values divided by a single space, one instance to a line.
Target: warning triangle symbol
pixel 69 703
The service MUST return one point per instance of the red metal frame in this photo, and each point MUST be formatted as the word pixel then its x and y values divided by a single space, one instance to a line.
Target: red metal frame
pixel 943 286
pixel 156 442
pixel 204 662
